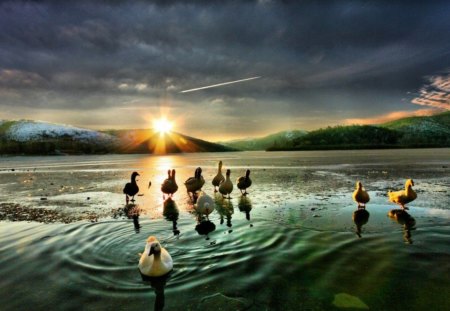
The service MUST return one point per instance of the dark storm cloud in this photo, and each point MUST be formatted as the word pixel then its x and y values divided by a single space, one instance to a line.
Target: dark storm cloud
pixel 321 55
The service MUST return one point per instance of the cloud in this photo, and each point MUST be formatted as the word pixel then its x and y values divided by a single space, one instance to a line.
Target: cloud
pixel 14 78
pixel 336 57
pixel 391 116
pixel 435 94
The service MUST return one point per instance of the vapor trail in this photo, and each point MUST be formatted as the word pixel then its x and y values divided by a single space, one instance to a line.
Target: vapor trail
pixel 219 84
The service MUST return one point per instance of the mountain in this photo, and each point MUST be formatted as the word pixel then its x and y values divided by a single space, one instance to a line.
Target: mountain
pixel 145 141
pixel 427 131
pixel 422 130
pixel 36 137
pixel 285 138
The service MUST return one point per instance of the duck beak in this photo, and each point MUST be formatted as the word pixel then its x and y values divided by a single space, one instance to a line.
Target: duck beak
pixel 152 251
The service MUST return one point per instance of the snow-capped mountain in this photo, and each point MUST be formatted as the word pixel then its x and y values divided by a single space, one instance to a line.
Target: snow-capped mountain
pixel 23 131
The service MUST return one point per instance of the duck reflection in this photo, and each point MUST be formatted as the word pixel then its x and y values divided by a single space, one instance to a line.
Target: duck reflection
pixel 205 227
pixel 225 209
pixel 158 284
pixel 171 213
pixel 245 206
pixel 405 219
pixel 132 211
pixel 360 217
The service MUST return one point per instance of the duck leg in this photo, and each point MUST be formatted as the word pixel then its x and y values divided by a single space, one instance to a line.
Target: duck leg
pixel 127 199
pixel 132 199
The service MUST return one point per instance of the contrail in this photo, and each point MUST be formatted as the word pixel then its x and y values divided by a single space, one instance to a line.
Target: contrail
pixel 219 84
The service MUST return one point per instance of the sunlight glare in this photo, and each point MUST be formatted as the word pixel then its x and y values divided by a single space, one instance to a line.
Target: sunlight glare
pixel 162 125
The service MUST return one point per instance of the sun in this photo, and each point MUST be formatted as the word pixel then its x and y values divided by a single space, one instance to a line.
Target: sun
pixel 162 125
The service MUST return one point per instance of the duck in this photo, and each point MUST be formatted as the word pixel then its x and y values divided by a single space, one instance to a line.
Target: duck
pixel 156 260
pixel 205 204
pixel 218 179
pixel 169 185
pixel 226 187
pixel 360 195
pixel 244 182
pixel 403 197
pixel 194 184
pixel 131 188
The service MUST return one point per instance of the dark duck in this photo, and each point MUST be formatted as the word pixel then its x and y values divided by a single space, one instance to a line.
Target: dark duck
pixel 131 188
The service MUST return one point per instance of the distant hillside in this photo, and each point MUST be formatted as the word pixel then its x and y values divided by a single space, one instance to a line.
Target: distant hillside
pixel 285 138
pixel 422 130
pixel 35 137
pixel 431 131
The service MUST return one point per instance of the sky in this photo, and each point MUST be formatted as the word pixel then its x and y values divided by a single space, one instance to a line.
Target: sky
pixel 121 64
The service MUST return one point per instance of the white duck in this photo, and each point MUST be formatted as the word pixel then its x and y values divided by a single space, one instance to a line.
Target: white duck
pixel 360 195
pixel 226 187
pixel 218 179
pixel 403 197
pixel 156 260
pixel 205 204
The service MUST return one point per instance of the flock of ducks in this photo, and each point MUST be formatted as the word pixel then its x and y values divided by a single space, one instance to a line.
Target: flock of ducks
pixel 156 261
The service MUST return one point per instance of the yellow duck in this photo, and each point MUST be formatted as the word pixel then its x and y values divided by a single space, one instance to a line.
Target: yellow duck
pixel 360 195
pixel 403 197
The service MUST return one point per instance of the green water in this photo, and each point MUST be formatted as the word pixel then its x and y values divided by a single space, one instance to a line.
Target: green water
pixel 291 244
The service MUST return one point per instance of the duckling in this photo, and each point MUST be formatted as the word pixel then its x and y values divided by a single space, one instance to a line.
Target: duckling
pixel 205 204
pixel 403 197
pixel 169 186
pixel 360 195
pixel 226 187
pixel 244 182
pixel 156 260
pixel 218 179
pixel 131 188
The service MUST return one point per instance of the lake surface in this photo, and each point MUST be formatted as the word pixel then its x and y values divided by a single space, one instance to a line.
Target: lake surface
pixel 68 241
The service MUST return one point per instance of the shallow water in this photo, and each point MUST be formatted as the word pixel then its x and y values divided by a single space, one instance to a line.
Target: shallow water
pixel 68 240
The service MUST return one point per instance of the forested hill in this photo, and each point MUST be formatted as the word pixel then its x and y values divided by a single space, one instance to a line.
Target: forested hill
pixel 431 131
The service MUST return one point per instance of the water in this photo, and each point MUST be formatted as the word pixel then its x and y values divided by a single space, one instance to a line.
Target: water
pixel 68 241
